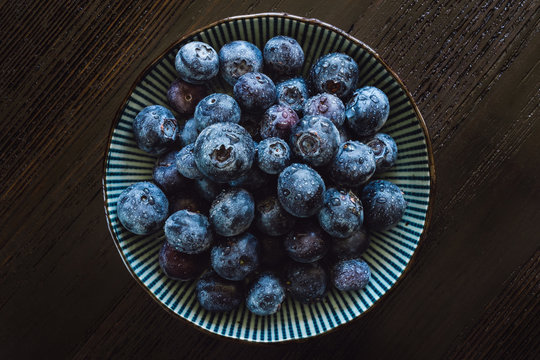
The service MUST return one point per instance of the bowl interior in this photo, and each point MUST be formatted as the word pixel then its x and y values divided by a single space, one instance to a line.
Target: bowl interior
pixel 389 252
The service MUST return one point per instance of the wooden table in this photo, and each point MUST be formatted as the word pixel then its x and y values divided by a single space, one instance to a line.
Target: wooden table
pixel 473 68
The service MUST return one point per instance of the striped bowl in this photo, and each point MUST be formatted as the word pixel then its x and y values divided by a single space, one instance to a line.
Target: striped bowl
pixel 390 251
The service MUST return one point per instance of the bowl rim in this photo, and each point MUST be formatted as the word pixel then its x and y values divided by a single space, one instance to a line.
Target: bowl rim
pixel 431 164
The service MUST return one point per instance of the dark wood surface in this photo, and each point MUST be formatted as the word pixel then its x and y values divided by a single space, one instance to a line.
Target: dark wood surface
pixel 472 66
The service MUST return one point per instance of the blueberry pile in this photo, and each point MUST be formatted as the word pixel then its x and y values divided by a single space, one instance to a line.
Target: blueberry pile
pixel 269 190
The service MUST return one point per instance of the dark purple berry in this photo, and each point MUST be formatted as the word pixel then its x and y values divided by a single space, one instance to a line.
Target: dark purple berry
pixel 217 294
pixel 180 266
pixel 166 175
pixel 349 275
pixel 278 120
pixel 183 96
pixel 306 282
pixel 327 105
pixel 307 242
pixel 272 219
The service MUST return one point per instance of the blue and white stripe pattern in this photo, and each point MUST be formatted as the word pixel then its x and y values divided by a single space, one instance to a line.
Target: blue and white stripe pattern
pixel 389 252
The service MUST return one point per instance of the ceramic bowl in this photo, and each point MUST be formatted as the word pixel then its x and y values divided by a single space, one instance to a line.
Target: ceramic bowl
pixel 390 252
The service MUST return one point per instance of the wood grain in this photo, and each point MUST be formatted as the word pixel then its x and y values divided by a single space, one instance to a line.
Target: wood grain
pixel 473 68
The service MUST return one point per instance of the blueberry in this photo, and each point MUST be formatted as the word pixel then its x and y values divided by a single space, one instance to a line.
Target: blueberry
pixel 334 73
pixel 235 257
pixel 197 62
pixel 342 213
pixel 367 111
pixel 271 218
pixel 166 175
pixel 278 120
pixel 385 149
pixel 224 152
pixel 306 282
pixel 238 58
pixel 352 246
pixel 232 212
pixel 307 242
pixel 300 190
pixel 217 294
pixel 353 165
pixel 255 92
pixel 273 155
pixel 292 93
pixel 265 295
pixel 188 232
pixel 315 140
pixel 384 204
pixel 272 252
pixel 253 180
pixel 187 200
pixel 207 189
pixel 142 208
pixel 352 274
pixel 185 163
pixel 155 129
pixel 216 108
pixel 283 56
pixel 327 105
pixel 180 266
pixel 183 96
pixel 189 133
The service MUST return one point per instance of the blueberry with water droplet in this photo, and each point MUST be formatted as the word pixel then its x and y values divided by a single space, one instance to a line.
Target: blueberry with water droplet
pixel 165 174
pixel 197 62
pixel 334 73
pixel 232 212
pixel 300 190
pixel 385 150
pixel 236 257
pixel 271 218
pixel 307 242
pixel 367 111
pixel 216 108
pixel 353 165
pixel 273 155
pixel 217 294
pixel 350 275
pixel 306 282
pixel 255 92
pixel 238 58
pixel 341 214
pixel 142 208
pixel 277 121
pixel 326 105
pixel 155 129
pixel 315 140
pixel 265 295
pixel 384 204
pixel 283 56
pixel 293 93
pixel 188 232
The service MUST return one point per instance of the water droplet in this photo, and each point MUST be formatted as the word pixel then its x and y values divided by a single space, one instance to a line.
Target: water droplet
pixel 374 99
pixel 286 192
pixel 335 202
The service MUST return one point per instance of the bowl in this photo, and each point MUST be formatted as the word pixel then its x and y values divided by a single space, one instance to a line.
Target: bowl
pixel 390 252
